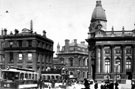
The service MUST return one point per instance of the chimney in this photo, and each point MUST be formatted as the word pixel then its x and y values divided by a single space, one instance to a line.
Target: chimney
pixel 66 42
pixel 44 33
pixel 16 31
pixel 75 41
pixel 31 26
pixel 5 31
pixel 2 32
pixel 82 42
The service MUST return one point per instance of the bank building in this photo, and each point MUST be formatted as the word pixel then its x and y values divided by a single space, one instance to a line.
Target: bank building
pixel 111 53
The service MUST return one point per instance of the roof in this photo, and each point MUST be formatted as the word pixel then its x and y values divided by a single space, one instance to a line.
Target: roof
pixel 98 13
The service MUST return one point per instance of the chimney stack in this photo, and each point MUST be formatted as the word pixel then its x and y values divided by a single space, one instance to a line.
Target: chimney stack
pixel 44 33
pixel 75 41
pixel 66 42
pixel 5 31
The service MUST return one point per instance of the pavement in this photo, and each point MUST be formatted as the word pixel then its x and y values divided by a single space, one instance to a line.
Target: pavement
pixel 81 86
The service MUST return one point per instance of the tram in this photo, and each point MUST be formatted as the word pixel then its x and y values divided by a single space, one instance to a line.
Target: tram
pixel 17 78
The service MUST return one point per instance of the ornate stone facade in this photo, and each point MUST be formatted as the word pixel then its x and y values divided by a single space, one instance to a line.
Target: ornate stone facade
pixel 111 53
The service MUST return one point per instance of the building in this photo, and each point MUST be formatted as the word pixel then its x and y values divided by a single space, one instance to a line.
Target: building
pixel 74 57
pixel 111 53
pixel 26 49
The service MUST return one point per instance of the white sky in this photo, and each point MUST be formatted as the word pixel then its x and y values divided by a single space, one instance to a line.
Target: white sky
pixel 64 19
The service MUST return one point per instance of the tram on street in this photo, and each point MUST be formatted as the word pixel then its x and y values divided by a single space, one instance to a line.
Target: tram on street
pixel 17 78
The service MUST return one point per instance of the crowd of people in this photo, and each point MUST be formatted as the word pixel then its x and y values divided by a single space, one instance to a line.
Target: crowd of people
pixel 104 85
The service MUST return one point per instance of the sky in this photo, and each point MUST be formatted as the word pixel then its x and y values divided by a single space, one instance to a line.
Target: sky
pixel 64 19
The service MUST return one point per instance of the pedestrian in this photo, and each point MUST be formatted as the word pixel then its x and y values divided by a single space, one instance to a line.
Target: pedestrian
pixel 116 85
pixel 133 85
pixel 86 84
pixel 96 85
pixel 111 85
pixel 102 85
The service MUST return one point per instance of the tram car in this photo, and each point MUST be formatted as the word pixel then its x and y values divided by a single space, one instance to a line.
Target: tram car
pixel 17 78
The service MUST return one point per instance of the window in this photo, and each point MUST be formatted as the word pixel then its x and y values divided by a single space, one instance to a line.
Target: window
pixel 71 62
pixel 79 62
pixel 128 64
pixel 11 44
pixel 29 56
pixel 20 43
pixel 128 51
pixel 62 60
pixel 117 66
pixel 83 62
pixel 30 43
pixel 107 51
pixel 11 57
pixel 107 65
pixel 1 58
pixel 117 51
pixel 20 56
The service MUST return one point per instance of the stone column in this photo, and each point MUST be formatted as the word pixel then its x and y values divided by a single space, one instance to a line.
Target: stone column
pixel 97 60
pixel 102 60
pixel 123 60
pixel 112 58
pixel 133 61
pixel 89 65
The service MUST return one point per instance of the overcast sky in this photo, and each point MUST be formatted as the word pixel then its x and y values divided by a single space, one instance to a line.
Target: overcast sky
pixel 64 19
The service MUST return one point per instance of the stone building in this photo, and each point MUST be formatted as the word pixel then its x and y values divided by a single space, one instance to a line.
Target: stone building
pixel 26 49
pixel 111 53
pixel 74 57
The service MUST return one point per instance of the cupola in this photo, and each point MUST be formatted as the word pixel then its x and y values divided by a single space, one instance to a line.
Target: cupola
pixel 99 12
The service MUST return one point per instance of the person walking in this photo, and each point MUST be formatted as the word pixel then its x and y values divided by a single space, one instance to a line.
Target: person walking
pixel 86 84
pixel 96 85
pixel 116 85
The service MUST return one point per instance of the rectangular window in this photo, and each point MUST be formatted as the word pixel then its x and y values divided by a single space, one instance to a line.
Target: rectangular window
pixel 11 57
pixel 20 43
pixel 29 56
pixel 20 56
pixel 30 43
pixel 11 44
pixel 0 58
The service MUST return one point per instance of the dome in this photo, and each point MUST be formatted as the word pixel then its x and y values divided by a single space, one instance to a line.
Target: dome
pixel 98 13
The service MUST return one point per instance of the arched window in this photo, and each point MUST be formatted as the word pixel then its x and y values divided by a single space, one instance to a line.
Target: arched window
pixel 71 73
pixel 79 62
pixel 61 60
pixel 117 62
pixel 71 61
pixel 128 63
pixel 107 65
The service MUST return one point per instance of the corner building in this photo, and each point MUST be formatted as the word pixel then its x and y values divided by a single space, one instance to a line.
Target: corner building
pixel 74 57
pixel 111 53
pixel 26 50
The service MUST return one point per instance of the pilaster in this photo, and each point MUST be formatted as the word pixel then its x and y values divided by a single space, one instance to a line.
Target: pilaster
pixel 133 61
pixel 97 59
pixel 112 58
pixel 102 60
pixel 89 65
pixel 123 60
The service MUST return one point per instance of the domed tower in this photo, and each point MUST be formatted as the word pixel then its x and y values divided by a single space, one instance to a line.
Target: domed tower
pixel 98 19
